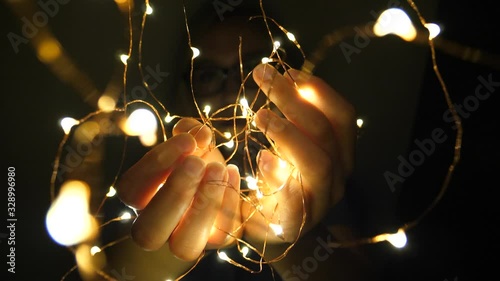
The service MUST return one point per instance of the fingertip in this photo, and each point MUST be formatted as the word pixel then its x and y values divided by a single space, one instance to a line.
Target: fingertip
pixel 185 142
pixel 263 73
pixel 202 135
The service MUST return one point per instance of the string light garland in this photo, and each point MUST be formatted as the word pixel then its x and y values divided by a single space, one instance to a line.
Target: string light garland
pixel 152 119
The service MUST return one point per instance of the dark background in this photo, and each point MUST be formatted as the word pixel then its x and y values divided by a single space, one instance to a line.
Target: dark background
pixel 456 241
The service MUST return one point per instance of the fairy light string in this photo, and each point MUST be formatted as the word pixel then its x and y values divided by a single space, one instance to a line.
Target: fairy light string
pixel 247 134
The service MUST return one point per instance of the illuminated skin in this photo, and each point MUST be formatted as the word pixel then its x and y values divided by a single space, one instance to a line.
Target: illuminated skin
pixel 316 136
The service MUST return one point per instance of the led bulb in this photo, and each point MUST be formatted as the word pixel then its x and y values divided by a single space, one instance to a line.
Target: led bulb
pixel 398 239
pixel 395 21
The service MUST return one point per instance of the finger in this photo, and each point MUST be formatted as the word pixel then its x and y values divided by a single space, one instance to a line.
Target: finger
pixel 275 171
pixel 229 215
pixel 158 220
pixel 201 133
pixel 308 158
pixel 140 182
pixel 191 235
pixel 340 113
pixel 303 114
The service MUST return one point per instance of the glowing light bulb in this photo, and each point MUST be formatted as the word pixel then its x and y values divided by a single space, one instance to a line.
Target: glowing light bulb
pixel 434 30
pixel 308 94
pixel 106 103
pixel 277 44
pixel 398 239
pixel 68 220
pixel 94 250
pixel 259 194
pixel 359 122
pixel 278 230
pixel 67 123
pixel 244 251
pixel 251 182
pixel 291 36
pixel 48 50
pixel 229 144
pixel 111 192
pixel 169 118
pixel 207 109
pixel 125 216
pixel 245 111
pixel 124 58
pixel 149 10
pixel 265 60
pixel 223 256
pixel 227 135
pixel 395 21
pixel 140 122
pixel 283 164
pixel 196 52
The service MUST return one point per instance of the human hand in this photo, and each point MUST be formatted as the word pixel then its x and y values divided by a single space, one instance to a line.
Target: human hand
pixel 316 137
pixel 198 203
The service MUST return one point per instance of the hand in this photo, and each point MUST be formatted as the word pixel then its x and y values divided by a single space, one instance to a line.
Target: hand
pixel 198 203
pixel 316 136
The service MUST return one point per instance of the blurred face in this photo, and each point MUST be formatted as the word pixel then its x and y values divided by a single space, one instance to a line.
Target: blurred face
pixel 217 77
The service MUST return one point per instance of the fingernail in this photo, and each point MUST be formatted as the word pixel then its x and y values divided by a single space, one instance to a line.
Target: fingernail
pixel 271 122
pixel 264 72
pixel 217 174
pixel 264 158
pixel 186 143
pixel 194 167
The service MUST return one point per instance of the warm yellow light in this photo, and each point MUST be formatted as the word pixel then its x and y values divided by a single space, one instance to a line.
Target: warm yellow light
pixel 244 251
pixel 67 123
pixel 149 10
pixel 308 94
pixel 251 182
pixel 265 60
pixel 94 250
pixel 125 216
pixel 278 230
pixel 169 118
pixel 106 103
pixel 398 239
pixel 207 109
pixel 124 58
pixel 434 30
pixel 149 139
pixel 223 256
pixel 68 220
pixel 196 52
pixel 227 135
pixel 283 164
pixel 48 50
pixel 395 21
pixel 359 122
pixel 229 144
pixel 291 36
pixel 141 122
pixel 111 192
pixel 84 261
pixel 277 44
pixel 245 111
